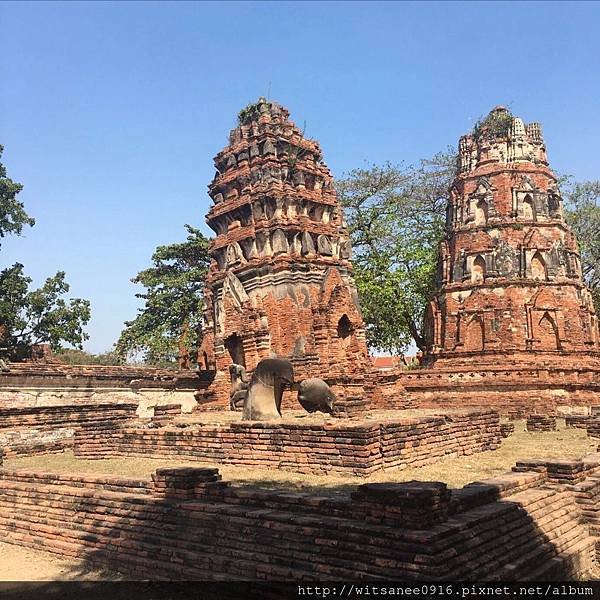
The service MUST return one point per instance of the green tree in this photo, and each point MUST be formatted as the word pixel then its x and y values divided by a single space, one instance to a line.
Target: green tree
pixel 395 216
pixel 33 316
pixel 12 212
pixel 167 327
pixel 41 315
pixel 72 356
pixel 582 211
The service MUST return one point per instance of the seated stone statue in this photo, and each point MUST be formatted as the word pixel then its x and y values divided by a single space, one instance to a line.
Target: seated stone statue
pixel 315 395
pixel 239 387
pixel 270 378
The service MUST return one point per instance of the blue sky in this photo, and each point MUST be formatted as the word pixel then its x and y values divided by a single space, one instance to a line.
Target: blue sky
pixel 110 113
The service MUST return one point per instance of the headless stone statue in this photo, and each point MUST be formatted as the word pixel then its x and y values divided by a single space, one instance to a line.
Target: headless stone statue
pixel 270 378
pixel 239 387
pixel 315 395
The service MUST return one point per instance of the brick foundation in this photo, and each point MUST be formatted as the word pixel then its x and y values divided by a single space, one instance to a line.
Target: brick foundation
pixel 40 384
pixel 186 524
pixel 578 421
pixel 359 448
pixel 566 386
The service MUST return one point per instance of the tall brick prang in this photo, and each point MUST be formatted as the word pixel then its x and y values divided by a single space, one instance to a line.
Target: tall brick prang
pixel 280 280
pixel 510 279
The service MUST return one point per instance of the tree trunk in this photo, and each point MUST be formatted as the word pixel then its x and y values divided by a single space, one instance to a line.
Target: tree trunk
pixel 416 334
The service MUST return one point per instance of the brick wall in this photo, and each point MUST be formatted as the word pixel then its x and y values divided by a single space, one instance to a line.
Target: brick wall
pixel 356 449
pixel 517 389
pixel 40 384
pixel 186 524
pixel 44 429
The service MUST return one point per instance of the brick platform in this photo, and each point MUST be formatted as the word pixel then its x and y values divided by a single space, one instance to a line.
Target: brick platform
pixel 352 448
pixel 33 384
pixel 526 525
pixel 518 390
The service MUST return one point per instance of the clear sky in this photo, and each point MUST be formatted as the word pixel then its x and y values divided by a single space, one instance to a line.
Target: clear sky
pixel 110 113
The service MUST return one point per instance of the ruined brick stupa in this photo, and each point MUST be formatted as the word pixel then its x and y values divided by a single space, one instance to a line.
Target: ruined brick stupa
pixel 280 280
pixel 510 272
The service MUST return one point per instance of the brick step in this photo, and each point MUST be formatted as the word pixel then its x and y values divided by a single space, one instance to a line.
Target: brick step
pixel 235 553
pixel 160 534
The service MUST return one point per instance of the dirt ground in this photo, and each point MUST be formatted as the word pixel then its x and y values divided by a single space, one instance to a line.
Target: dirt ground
pixel 24 564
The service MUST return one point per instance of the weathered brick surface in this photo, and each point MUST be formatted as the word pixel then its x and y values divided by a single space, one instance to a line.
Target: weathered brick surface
pixel 39 384
pixel 578 421
pixel 593 428
pixel 44 429
pixel 508 386
pixel 25 374
pixel 358 449
pixel 520 526
pixel 562 471
pixel 541 423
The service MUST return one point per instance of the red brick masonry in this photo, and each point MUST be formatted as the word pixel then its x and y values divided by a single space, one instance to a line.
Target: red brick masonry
pixel 358 448
pixel 509 386
pixel 44 429
pixel 537 523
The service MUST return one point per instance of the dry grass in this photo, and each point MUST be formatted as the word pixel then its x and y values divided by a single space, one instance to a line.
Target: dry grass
pixel 456 472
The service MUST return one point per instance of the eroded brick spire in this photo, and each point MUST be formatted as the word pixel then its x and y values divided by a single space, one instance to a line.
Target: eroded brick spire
pixel 510 277
pixel 280 281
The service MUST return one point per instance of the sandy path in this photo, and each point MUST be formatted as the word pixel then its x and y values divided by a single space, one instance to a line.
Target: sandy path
pixel 25 564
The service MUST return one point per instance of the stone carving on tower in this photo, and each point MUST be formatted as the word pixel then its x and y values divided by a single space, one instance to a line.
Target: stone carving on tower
pixel 510 277
pixel 279 284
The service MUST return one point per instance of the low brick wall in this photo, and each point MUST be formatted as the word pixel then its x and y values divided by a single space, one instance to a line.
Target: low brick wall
pixel 165 414
pixel 344 448
pixel 40 384
pixel 45 429
pixel 578 421
pixel 541 423
pixel 188 524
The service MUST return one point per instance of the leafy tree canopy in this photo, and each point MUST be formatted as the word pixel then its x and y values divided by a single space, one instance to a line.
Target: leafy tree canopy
pixel 582 203
pixel 72 356
pixel 167 327
pixel 41 315
pixel 396 217
pixel 12 212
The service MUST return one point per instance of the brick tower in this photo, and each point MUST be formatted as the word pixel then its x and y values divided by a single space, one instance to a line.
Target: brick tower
pixel 280 280
pixel 510 272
